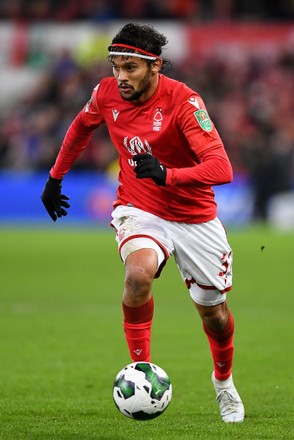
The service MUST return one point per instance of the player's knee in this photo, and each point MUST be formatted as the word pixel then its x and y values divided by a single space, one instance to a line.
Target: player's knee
pixel 214 318
pixel 216 322
pixel 138 281
pixel 140 269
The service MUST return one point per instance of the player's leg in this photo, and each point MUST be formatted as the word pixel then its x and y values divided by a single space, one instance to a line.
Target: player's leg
pixel 142 245
pixel 218 324
pixel 205 261
pixel 140 269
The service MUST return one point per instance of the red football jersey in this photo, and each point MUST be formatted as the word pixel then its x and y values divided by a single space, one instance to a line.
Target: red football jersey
pixel 174 126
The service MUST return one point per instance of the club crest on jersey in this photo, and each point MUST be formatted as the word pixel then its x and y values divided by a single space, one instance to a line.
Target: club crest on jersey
pixel 136 145
pixel 203 120
pixel 157 120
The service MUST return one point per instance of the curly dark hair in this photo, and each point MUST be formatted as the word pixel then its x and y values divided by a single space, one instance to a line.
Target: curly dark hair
pixel 143 36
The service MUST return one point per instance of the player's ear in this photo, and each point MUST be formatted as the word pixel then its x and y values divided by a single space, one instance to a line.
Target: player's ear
pixel 156 65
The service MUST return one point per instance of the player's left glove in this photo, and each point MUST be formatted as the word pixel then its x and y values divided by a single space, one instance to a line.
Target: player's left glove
pixel 150 166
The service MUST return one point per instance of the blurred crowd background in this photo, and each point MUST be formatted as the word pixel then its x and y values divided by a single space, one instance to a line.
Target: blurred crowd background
pixel 238 55
pixel 98 10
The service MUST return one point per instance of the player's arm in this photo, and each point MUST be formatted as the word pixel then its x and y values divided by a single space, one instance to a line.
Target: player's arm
pixel 211 163
pixel 214 169
pixel 75 141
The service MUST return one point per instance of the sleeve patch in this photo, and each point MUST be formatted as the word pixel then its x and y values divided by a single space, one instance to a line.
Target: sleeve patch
pixel 88 104
pixel 203 120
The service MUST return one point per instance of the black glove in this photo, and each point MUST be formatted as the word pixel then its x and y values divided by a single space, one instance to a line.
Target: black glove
pixel 150 166
pixel 53 200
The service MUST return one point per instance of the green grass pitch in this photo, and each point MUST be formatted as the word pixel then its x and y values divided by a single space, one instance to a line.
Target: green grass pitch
pixel 61 340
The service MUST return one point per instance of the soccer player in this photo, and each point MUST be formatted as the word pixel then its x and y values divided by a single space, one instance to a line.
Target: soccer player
pixel 170 156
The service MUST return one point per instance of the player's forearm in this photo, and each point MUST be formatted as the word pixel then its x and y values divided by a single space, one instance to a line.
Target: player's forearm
pixel 75 141
pixel 216 169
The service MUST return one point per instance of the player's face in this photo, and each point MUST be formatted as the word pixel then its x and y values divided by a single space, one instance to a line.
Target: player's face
pixel 136 79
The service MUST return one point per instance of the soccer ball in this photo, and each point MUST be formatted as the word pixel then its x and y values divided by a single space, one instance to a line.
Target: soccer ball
pixel 142 391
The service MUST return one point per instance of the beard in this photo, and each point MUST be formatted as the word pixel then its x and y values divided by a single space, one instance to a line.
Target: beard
pixel 135 95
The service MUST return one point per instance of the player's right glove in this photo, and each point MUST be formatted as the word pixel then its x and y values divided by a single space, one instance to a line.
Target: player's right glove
pixel 53 200
pixel 150 166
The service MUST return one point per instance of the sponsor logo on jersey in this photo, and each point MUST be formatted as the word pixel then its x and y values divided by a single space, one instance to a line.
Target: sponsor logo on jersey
pixel 136 145
pixel 115 114
pixel 157 120
pixel 203 120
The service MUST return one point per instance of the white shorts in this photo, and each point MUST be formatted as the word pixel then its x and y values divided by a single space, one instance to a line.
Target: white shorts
pixel 201 251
